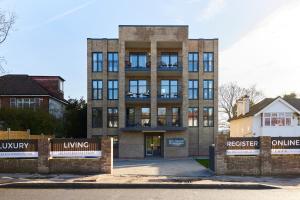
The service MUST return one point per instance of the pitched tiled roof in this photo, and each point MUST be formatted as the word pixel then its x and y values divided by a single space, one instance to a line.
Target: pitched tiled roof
pixel 264 103
pixel 23 85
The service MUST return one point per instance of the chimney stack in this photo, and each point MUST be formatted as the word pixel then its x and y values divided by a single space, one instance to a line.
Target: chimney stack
pixel 243 105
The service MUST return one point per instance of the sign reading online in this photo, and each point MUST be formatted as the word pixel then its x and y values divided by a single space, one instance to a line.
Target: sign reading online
pixel 285 145
pixel 242 146
pixel 76 148
pixel 18 148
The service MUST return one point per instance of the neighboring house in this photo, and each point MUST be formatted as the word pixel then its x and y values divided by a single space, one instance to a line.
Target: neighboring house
pixel 270 117
pixel 34 92
pixel 154 90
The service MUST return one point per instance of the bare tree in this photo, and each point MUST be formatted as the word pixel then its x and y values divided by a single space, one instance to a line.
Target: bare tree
pixel 6 23
pixel 231 92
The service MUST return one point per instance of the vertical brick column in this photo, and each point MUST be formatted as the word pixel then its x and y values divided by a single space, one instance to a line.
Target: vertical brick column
pixel 265 156
pixel 184 84
pixel 105 87
pixel 153 83
pixel 44 154
pixel 106 162
pixel 122 110
pixel 220 153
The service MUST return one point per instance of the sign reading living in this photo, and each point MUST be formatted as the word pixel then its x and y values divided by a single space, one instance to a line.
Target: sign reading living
pixel 81 148
pixel 285 145
pixel 242 146
pixel 24 148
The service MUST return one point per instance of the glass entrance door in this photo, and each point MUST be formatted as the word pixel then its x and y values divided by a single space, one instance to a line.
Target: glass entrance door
pixel 153 145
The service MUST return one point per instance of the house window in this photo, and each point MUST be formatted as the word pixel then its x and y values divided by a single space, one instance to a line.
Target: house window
pixel 193 89
pixel 193 62
pixel 112 118
pixel 130 117
pixel 278 119
pixel 97 89
pixel 193 117
pixel 208 116
pixel 162 116
pixel 169 60
pixel 138 89
pixel 145 118
pixel 113 62
pixel 97 62
pixel 26 103
pixel 113 90
pixel 208 61
pixel 175 116
pixel 97 118
pixel 169 89
pixel 138 60
pixel 208 89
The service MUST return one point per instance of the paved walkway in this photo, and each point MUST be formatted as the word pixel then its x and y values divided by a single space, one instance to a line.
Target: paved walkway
pixel 161 167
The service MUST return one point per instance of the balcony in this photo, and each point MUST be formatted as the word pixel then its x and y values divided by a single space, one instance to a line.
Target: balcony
pixel 137 64
pixel 169 120
pixel 169 65
pixel 138 94
pixel 169 93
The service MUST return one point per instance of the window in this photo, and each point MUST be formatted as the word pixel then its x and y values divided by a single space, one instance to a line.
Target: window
pixel 113 90
pixel 112 118
pixel 208 62
pixel 169 89
pixel 113 62
pixel 97 61
pixel 175 117
pixel 130 117
pixel 61 85
pixel 161 118
pixel 138 60
pixel 145 118
pixel 193 117
pixel 97 118
pixel 97 89
pixel 193 89
pixel 169 60
pixel 138 89
pixel 208 89
pixel 193 62
pixel 208 116
pixel 277 119
pixel 30 103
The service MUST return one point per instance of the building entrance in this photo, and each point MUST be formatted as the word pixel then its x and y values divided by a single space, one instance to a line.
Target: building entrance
pixel 153 145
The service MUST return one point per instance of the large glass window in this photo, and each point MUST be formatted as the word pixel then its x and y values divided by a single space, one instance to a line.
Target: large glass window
pixel 208 116
pixel 130 117
pixel 193 117
pixel 138 60
pixel 169 89
pixel 208 89
pixel 97 89
pixel 175 116
pixel 169 60
pixel 97 118
pixel 113 62
pixel 30 103
pixel 113 90
pixel 193 89
pixel 162 116
pixel 138 89
pixel 193 62
pixel 145 118
pixel 97 62
pixel 208 61
pixel 112 118
pixel 278 119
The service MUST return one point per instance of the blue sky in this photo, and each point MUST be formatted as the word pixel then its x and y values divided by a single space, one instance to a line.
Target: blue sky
pixel 49 37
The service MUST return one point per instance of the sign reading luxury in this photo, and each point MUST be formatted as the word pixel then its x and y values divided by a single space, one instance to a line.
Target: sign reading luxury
pixel 80 148
pixel 18 148
pixel 285 145
pixel 242 146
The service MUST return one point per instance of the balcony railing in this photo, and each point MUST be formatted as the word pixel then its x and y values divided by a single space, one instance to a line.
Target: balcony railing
pixel 137 64
pixel 141 92
pixel 169 92
pixel 138 121
pixel 169 63
pixel 168 120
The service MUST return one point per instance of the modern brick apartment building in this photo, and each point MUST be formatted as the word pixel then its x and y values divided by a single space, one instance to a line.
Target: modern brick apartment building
pixel 154 90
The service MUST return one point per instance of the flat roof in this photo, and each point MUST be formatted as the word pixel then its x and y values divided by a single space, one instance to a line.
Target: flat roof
pixel 153 26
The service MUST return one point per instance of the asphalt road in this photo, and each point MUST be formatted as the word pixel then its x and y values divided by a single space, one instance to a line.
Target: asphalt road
pixel 141 194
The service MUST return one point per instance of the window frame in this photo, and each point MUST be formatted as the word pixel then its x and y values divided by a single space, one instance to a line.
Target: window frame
pixel 114 61
pixel 113 117
pixel 113 89
pixel 101 117
pixel 195 119
pixel 99 68
pixel 208 89
pixel 98 88
pixel 193 61
pixel 209 118
pixel 208 61
pixel 170 94
pixel 193 89
pixel 138 55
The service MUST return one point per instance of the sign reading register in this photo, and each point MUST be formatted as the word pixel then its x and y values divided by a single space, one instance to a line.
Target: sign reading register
pixel 242 146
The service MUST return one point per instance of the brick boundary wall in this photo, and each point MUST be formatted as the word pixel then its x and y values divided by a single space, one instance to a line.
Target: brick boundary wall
pixel 44 164
pixel 263 164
